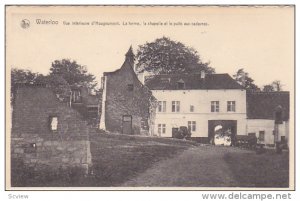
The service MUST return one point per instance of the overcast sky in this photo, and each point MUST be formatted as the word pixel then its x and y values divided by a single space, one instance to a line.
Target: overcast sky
pixel 260 40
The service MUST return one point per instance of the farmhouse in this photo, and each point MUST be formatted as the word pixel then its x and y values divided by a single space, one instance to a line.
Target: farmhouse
pixel 199 101
pixel 207 104
pixel 128 106
pixel 47 131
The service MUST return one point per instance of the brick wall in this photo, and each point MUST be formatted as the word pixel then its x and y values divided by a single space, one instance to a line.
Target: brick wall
pixel 32 139
pixel 120 100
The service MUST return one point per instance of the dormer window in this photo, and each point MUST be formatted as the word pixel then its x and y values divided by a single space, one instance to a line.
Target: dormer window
pixel 180 84
pixel 165 80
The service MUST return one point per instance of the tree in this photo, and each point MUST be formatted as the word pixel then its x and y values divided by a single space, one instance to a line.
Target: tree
pixel 165 56
pixel 72 72
pixel 245 80
pixel 268 88
pixel 274 86
pixel 277 85
pixel 23 76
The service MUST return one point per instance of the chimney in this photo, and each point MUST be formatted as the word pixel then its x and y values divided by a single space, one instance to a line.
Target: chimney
pixel 243 79
pixel 202 74
pixel 129 56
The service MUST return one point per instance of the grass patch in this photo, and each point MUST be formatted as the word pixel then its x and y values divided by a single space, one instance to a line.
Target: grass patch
pixel 115 159
pixel 259 170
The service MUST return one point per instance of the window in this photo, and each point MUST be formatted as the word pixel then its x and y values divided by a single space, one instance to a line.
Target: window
pixel 144 124
pixel 53 123
pixel 175 106
pixel 215 106
pixel 192 108
pixel 161 129
pixel 192 125
pixel 162 106
pixel 230 106
pixel 76 96
pixel 180 84
pixel 130 87
pixel 127 118
pixel 261 136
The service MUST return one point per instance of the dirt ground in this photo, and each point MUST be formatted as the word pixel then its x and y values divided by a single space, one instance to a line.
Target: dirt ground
pixel 195 167
pixel 213 166
pixel 133 161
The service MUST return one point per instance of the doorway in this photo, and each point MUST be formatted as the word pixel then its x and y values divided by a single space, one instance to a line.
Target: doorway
pixel 222 127
pixel 127 124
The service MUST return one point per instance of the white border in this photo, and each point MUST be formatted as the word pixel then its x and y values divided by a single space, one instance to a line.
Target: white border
pixel 119 195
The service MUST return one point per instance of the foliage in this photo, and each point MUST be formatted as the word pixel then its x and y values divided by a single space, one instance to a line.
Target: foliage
pixel 22 76
pixel 277 85
pixel 165 56
pixel 245 80
pixel 274 86
pixel 59 86
pixel 72 72
pixel 62 74
pixel 182 133
pixel 268 88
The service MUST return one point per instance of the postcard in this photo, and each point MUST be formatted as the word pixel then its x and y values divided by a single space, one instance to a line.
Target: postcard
pixel 150 97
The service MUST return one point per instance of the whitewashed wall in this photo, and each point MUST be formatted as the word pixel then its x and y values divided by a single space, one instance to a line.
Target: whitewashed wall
pixel 201 99
pixel 256 125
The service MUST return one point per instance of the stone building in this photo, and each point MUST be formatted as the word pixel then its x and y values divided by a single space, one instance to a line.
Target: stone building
pixel 128 106
pixel 47 131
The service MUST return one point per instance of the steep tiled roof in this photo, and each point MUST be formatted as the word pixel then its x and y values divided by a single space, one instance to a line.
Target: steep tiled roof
pixel 262 105
pixel 191 81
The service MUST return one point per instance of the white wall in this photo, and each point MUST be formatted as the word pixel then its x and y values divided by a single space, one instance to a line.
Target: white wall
pixel 256 125
pixel 201 99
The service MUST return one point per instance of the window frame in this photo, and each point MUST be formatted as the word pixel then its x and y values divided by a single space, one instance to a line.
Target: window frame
pixel 192 108
pixel 192 126
pixel 231 106
pixel 215 106
pixel 262 132
pixel 76 96
pixel 175 106
pixel 162 106
pixel 161 129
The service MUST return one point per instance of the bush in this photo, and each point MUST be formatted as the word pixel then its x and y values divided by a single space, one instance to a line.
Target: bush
pixel 182 133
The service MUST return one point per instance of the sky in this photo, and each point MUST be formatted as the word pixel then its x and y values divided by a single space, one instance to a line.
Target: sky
pixel 258 39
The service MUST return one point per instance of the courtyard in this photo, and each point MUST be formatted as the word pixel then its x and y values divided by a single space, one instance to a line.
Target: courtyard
pixel 134 161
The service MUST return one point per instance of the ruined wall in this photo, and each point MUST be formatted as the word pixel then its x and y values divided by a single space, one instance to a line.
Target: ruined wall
pixel 34 142
pixel 120 100
pixel 51 151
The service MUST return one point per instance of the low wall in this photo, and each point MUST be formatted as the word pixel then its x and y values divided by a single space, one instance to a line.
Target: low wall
pixel 53 151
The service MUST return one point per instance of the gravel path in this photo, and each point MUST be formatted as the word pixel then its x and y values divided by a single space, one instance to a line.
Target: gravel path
pixel 202 166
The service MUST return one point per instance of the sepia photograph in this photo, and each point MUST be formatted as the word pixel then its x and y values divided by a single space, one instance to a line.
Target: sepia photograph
pixel 150 97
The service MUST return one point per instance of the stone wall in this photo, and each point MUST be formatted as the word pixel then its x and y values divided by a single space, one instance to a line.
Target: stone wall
pixel 54 152
pixel 34 142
